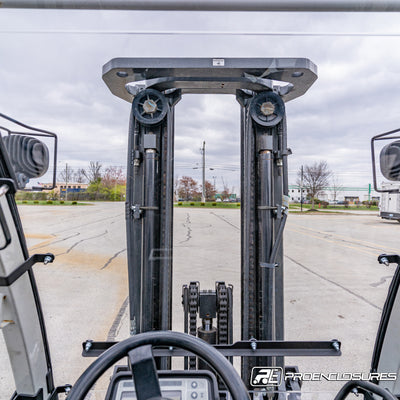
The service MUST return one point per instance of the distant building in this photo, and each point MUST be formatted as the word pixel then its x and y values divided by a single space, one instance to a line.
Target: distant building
pixel 353 195
pixel 60 188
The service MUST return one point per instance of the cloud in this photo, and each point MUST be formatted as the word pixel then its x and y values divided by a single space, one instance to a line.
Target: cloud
pixel 54 81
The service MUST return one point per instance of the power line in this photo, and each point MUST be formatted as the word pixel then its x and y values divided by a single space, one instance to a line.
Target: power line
pixel 202 33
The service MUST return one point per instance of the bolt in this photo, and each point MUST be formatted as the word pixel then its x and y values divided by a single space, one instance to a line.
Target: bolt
pixel 150 106
pixel 385 261
pixel 88 345
pixel 336 345
pixel 67 389
pixel 47 260
pixel 267 108
pixel 253 344
pixel 132 329
pixel 171 348
pixel 354 391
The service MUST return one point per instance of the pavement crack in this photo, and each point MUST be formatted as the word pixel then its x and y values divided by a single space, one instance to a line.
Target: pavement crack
pixel 89 223
pixel 116 325
pixel 225 220
pixel 112 258
pixel 188 226
pixel 334 283
pixel 339 238
pixel 381 282
pixel 57 241
pixel 83 240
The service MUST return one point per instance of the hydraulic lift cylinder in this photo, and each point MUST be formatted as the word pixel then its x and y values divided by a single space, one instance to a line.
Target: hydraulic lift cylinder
pixel 134 226
pixel 149 238
pixel 266 226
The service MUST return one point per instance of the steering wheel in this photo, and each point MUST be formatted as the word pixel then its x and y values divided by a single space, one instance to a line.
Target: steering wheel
pixel 138 349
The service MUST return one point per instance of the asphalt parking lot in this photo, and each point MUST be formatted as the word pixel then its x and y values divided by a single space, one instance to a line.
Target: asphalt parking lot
pixel 334 287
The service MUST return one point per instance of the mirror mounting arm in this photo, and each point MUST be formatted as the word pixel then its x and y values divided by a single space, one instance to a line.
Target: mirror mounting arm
pixel 389 259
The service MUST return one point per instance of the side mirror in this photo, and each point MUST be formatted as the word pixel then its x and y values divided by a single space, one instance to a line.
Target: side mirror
pixel 28 157
pixel 390 161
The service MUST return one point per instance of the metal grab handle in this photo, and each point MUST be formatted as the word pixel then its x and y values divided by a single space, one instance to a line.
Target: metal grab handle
pixel 3 222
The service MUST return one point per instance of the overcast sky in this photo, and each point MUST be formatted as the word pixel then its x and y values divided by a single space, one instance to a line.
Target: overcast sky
pixel 53 81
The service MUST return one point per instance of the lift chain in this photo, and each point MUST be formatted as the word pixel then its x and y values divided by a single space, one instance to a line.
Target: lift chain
pixel 193 307
pixel 223 312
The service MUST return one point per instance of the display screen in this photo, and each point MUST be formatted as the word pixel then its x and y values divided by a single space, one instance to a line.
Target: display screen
pixel 168 394
pixel 172 394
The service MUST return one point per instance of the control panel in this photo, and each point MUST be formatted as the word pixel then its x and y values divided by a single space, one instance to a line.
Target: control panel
pixel 174 385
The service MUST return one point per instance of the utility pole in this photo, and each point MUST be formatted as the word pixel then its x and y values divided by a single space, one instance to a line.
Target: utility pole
pixel 203 152
pixel 66 181
pixel 301 190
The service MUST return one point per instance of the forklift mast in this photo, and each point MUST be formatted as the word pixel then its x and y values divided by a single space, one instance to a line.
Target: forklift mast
pixel 261 86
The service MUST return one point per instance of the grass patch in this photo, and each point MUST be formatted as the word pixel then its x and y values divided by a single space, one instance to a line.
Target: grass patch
pixel 315 212
pixel 296 206
pixel 207 204
pixel 50 203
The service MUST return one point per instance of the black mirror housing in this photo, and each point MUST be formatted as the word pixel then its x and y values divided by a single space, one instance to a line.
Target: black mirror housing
pixel 390 161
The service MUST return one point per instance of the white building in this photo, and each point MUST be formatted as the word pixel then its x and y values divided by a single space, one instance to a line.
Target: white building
pixel 351 194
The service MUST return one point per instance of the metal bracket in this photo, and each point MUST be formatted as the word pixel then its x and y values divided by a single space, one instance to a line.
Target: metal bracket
pixel 389 259
pixel 10 279
pixel 264 142
pixel 137 212
pixel 267 208
pixel 268 265
pixel 60 389
pixel 244 348
pixel 279 87
pixel 10 184
pixel 37 396
pixel 150 141
pixel 287 152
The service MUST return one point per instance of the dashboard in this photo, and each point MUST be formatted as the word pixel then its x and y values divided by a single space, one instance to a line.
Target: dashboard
pixel 174 385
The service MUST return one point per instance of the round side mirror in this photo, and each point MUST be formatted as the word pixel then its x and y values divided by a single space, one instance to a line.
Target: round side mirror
pixel 390 161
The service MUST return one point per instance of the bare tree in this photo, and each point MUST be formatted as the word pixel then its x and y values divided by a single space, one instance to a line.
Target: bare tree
pixel 113 176
pixel 93 172
pixel 336 187
pixel 315 178
pixel 79 176
pixel 66 174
